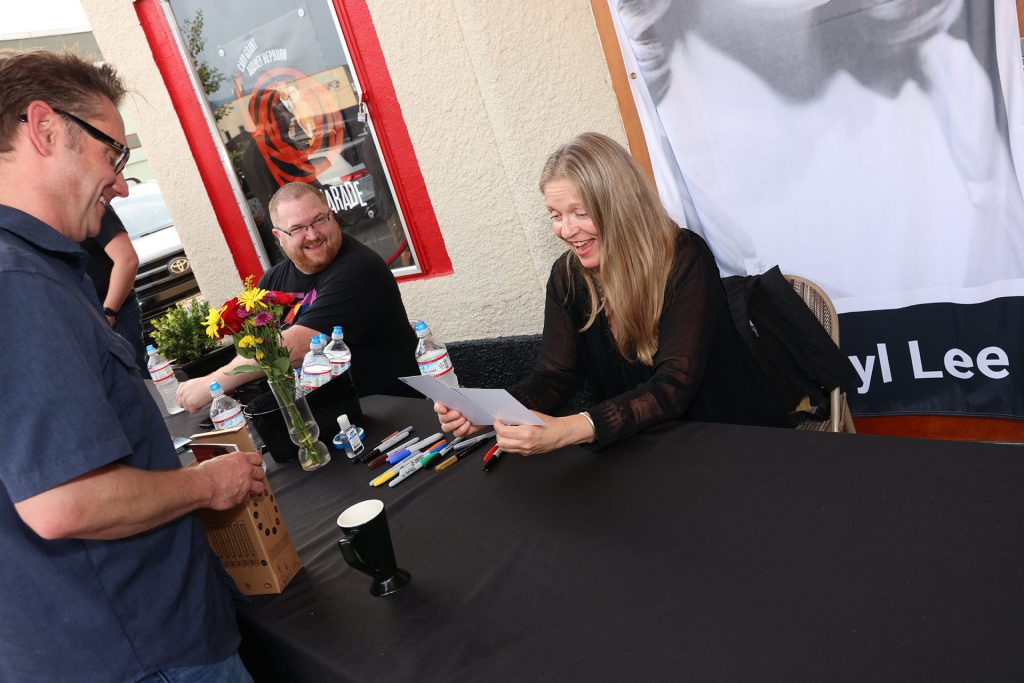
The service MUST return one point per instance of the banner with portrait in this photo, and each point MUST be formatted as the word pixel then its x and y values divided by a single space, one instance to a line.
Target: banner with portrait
pixel 872 146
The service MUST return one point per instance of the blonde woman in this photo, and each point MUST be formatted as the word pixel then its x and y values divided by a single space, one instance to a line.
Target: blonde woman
pixel 635 307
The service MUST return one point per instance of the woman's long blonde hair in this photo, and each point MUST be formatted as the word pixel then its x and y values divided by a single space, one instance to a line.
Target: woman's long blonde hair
pixel 637 239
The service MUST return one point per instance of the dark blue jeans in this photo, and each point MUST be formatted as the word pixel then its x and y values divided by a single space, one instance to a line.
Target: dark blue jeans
pixel 231 670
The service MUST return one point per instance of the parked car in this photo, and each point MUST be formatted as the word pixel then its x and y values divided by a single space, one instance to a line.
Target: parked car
pixel 165 274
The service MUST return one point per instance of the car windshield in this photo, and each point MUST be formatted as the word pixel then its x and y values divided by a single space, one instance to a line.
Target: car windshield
pixel 143 211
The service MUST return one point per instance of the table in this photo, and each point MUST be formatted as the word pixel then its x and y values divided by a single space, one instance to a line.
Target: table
pixel 691 552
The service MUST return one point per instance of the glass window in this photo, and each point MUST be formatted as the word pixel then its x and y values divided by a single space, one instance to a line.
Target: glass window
pixel 143 211
pixel 286 106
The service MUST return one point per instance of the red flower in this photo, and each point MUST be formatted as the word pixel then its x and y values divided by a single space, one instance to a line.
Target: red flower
pixel 283 298
pixel 230 316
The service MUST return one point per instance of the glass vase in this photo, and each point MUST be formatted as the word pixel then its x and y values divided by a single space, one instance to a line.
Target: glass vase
pixel 302 428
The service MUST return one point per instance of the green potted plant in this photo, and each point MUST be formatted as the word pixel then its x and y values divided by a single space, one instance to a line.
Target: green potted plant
pixel 180 334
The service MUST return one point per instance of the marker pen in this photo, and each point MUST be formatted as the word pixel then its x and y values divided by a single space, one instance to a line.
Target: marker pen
pixel 415 466
pixel 369 454
pixel 384 478
pixel 386 444
pixel 436 446
pixel 394 470
pixel 447 448
pixel 441 452
pixel 376 449
pixel 400 456
pixel 407 471
pixel 433 439
pixel 382 458
pixel 430 457
pixel 394 438
pixel 449 461
pixel 457 455
pixel 382 441
pixel 402 477
pixel 418 446
pixel 492 457
pixel 411 443
pixel 476 439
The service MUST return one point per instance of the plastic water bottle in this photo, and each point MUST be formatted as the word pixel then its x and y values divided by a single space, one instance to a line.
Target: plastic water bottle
pixel 432 357
pixel 316 367
pixel 338 352
pixel 163 377
pixel 225 412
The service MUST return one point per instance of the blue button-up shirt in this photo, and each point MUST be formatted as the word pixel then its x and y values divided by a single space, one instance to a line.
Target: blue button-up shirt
pixel 77 609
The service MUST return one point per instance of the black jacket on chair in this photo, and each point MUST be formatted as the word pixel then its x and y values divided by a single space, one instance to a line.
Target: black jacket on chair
pixel 789 345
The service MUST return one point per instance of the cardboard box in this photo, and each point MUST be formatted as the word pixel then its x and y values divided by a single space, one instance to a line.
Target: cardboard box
pixel 251 539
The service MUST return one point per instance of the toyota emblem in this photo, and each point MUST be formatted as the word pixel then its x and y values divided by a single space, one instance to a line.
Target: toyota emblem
pixel 178 266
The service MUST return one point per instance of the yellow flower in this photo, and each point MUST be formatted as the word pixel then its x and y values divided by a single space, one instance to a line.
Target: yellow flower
pixel 213 322
pixel 246 341
pixel 259 340
pixel 252 298
pixel 260 355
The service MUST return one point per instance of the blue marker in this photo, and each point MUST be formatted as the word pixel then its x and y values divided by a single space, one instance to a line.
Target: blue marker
pixel 419 445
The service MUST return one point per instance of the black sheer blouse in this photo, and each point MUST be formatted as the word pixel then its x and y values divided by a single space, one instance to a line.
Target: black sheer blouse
pixel 700 371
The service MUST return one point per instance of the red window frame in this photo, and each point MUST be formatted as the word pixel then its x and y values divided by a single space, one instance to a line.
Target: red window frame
pixel 379 94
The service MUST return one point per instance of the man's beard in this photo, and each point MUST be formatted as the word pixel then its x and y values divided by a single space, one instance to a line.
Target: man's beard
pixel 310 265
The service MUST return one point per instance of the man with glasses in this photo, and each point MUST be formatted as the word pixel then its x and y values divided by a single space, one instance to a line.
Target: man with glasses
pixel 110 575
pixel 344 283
pixel 118 158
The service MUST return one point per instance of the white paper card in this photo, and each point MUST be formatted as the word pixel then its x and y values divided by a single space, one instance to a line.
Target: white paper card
pixel 503 406
pixel 479 406
pixel 440 392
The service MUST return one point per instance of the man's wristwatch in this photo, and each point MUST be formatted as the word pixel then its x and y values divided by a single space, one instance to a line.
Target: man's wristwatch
pixel 110 312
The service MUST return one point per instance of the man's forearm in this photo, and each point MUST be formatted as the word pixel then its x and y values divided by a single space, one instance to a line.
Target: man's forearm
pixel 123 271
pixel 115 501
pixel 231 382
pixel 122 279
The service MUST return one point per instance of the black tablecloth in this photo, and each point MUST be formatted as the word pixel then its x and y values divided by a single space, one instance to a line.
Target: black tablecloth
pixel 692 552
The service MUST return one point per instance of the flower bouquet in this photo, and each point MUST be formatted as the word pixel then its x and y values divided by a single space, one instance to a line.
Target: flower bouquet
pixel 253 319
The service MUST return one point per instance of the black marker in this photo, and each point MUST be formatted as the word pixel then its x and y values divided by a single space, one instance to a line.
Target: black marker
pixel 387 443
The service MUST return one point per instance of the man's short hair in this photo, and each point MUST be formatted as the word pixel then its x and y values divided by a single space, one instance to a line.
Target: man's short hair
pixel 61 79
pixel 290 192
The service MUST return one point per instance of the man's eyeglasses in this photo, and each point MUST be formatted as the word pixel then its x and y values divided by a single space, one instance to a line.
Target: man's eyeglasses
pixel 299 229
pixel 122 150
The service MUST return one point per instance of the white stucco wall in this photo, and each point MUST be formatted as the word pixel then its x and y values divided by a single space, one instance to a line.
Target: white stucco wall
pixel 123 43
pixel 487 90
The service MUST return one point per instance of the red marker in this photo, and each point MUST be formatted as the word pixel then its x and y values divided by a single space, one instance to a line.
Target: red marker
pixel 492 457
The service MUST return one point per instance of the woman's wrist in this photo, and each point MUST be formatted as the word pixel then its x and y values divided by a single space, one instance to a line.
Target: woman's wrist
pixel 587 432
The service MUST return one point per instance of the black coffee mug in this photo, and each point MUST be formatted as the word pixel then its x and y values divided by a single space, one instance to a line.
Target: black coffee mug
pixel 367 546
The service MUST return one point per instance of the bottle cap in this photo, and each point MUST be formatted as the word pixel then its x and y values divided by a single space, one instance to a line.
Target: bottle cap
pixel 337 330
pixel 150 348
pixel 421 329
pixel 343 422
pixel 215 388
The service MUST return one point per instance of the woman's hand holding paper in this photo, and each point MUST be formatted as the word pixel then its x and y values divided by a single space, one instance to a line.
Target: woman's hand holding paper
pixel 453 422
